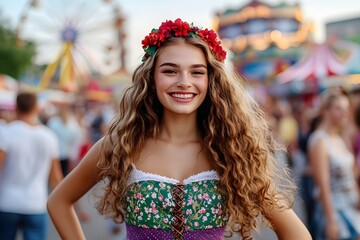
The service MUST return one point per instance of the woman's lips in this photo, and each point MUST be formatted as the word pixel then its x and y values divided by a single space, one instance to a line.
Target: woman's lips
pixel 183 97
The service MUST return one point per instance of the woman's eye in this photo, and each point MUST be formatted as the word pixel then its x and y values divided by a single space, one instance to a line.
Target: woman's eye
pixel 198 73
pixel 169 71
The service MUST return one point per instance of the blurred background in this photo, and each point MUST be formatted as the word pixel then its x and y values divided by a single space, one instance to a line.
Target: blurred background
pixel 82 54
pixel 76 46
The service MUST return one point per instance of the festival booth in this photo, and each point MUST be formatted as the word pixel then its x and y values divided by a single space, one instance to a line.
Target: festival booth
pixel 95 92
pixel 116 83
pixel 105 88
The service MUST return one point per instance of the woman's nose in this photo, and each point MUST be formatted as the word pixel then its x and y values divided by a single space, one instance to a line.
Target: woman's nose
pixel 183 81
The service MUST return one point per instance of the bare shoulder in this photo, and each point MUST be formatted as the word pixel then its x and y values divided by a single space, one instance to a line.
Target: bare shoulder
pixel 317 141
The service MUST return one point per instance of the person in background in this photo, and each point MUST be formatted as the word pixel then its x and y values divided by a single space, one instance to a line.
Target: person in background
pixel 307 186
pixel 29 161
pixel 288 130
pixel 356 143
pixel 67 131
pixel 337 214
pixel 66 127
pixel 188 154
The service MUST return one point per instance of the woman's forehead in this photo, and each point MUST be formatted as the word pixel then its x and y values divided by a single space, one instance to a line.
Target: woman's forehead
pixel 181 54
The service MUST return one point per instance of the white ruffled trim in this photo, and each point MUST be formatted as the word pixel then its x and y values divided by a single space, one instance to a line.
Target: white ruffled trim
pixel 138 175
pixel 202 176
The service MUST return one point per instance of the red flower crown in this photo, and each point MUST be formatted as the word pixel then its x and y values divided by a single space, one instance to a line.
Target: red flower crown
pixel 180 28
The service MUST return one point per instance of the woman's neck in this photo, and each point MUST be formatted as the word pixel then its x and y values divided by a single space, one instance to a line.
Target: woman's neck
pixel 330 129
pixel 179 128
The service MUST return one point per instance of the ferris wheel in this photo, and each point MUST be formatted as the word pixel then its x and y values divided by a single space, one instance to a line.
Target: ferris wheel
pixel 74 39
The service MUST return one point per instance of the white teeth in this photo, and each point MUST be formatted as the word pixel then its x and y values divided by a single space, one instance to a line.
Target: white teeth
pixel 185 96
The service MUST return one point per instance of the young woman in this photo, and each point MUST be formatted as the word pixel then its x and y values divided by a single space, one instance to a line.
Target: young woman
pixel 188 154
pixel 337 214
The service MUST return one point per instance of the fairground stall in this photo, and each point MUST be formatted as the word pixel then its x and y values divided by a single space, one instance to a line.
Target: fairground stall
pixel 265 39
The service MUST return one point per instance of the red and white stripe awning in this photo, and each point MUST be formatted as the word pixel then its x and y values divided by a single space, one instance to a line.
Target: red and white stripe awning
pixel 319 63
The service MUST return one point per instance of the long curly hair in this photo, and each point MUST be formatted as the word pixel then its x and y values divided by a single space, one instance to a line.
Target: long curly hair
pixel 234 132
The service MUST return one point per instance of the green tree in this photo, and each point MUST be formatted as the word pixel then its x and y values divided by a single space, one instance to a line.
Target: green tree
pixel 15 55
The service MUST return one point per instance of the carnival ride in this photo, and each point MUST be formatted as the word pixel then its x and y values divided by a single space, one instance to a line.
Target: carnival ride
pixel 265 38
pixel 75 40
pixel 259 25
pixel 273 49
pixel 316 70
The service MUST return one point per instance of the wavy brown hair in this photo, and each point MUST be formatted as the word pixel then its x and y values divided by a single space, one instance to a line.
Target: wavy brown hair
pixel 233 130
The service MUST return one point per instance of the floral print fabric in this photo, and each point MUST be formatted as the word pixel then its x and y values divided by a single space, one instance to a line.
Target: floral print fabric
pixel 150 204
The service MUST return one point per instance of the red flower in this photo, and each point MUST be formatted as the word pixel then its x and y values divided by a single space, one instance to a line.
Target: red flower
pixel 180 28
pixel 166 27
pixel 210 37
pixel 153 39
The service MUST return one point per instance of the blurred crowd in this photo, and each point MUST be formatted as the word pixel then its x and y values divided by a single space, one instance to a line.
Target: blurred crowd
pixel 75 127
pixel 321 136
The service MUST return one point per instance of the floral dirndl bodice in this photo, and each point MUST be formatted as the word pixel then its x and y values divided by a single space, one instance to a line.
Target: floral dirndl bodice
pixel 161 208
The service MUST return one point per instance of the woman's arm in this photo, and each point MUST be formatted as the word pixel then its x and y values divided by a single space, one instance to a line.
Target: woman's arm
pixel 320 171
pixel 72 188
pixel 2 159
pixel 357 177
pixel 56 175
pixel 287 225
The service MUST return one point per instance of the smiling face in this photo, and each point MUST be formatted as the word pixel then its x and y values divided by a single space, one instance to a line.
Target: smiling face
pixel 181 78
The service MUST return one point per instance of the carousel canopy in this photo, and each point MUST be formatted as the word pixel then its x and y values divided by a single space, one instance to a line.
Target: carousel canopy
pixel 319 63
pixel 319 69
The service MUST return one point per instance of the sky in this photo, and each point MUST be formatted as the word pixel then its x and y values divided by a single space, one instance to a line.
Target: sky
pixel 143 15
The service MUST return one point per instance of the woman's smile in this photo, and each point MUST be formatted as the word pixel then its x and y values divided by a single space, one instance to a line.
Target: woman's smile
pixel 182 97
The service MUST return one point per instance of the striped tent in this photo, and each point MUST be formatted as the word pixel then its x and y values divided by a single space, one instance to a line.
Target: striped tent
pixel 312 72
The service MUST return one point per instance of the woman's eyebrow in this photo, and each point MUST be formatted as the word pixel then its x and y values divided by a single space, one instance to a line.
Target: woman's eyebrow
pixel 168 64
pixel 198 66
pixel 176 65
